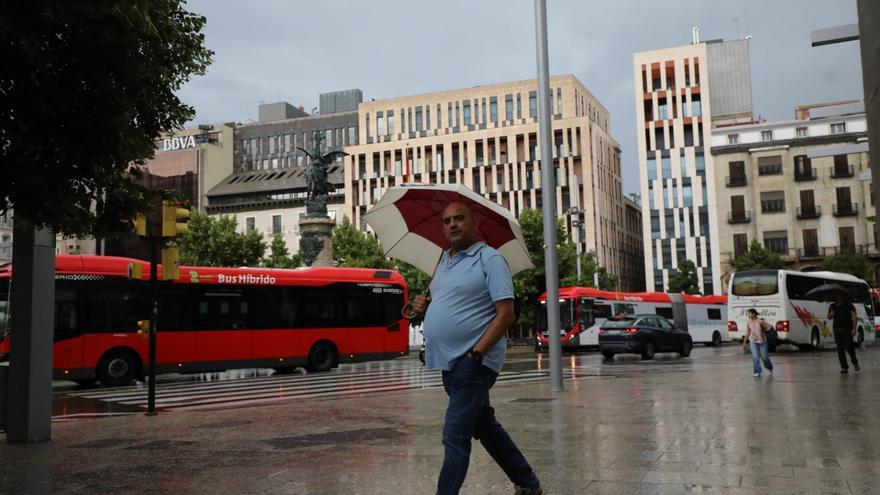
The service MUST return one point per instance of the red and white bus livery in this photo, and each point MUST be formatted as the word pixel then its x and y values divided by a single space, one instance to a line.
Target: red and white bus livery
pixel 214 319
pixel 582 310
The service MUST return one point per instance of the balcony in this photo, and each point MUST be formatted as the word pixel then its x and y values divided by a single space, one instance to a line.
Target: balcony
pixel 811 252
pixel 806 212
pixel 739 217
pixel 805 175
pixel 846 210
pixel 839 172
pixel 735 180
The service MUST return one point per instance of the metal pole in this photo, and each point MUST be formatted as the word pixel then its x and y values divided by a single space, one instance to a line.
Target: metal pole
pixel 154 303
pixel 548 195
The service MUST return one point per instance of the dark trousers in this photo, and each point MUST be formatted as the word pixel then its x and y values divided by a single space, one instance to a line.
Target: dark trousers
pixel 844 339
pixel 469 415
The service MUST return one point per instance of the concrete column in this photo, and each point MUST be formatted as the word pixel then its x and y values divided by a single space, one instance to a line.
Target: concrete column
pixel 32 307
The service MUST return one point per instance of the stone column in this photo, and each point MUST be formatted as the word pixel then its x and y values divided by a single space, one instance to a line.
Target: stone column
pixel 316 240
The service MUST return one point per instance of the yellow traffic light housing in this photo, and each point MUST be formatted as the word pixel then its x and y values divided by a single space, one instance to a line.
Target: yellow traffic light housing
pixel 140 225
pixel 170 263
pixel 174 220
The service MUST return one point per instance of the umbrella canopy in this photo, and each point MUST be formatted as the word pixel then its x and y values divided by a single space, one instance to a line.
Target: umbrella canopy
pixel 827 292
pixel 408 221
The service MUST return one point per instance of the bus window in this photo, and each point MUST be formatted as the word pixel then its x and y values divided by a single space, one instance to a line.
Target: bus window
pixel 755 283
pixel 602 310
pixel 624 309
pixel 713 313
pixel 664 312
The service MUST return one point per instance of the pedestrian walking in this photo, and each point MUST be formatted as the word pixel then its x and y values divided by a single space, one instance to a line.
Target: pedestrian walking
pixel 756 338
pixel 466 318
pixel 842 313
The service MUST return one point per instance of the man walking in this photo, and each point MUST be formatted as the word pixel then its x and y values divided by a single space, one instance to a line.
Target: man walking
pixel 844 319
pixel 471 308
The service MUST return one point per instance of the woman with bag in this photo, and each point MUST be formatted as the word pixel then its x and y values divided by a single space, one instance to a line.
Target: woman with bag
pixel 756 338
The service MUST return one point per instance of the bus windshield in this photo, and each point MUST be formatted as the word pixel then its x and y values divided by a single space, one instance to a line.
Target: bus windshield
pixel 755 283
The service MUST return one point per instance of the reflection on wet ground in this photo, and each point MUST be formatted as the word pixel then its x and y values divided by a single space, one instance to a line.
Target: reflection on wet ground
pixel 672 425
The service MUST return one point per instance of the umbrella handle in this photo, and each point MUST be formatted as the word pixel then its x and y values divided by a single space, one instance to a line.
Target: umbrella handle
pixel 407 312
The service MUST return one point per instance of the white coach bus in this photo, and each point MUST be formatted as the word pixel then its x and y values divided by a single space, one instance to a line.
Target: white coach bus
pixel 782 298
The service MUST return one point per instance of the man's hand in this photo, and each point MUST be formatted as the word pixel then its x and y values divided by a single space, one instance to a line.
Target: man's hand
pixel 420 304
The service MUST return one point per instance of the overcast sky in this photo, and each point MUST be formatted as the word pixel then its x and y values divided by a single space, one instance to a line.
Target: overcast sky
pixel 293 50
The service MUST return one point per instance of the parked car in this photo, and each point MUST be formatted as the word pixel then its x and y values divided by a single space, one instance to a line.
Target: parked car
pixel 642 334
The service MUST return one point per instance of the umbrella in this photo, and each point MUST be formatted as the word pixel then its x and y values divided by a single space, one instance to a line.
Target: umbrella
pixel 826 292
pixel 408 221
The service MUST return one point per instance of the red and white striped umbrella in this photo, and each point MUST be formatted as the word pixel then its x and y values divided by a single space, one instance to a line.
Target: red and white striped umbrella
pixel 408 220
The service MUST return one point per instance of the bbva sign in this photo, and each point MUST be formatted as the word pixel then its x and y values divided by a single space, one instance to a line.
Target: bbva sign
pixel 178 143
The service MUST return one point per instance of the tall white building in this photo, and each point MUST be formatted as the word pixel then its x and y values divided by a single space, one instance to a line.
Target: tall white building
pixel 681 93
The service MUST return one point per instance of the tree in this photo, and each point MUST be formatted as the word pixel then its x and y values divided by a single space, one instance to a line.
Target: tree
pixel 354 248
pixel 588 270
pixel 851 263
pixel 685 279
pixel 279 256
pixel 757 258
pixel 530 284
pixel 214 241
pixel 86 89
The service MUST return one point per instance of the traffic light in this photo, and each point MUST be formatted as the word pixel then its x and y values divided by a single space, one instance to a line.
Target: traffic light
pixel 140 225
pixel 174 220
pixel 170 263
pixel 134 270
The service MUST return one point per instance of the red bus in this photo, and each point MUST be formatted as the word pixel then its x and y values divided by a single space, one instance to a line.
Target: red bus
pixel 582 310
pixel 214 319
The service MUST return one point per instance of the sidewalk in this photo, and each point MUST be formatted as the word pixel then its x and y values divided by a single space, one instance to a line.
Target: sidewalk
pixel 700 425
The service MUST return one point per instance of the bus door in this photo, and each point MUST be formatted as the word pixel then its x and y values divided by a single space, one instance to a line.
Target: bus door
pixel 220 318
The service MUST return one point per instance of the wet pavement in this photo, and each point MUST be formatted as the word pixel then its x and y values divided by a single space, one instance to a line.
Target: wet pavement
pixel 696 425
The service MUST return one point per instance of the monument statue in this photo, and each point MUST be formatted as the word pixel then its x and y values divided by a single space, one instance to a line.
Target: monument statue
pixel 319 187
pixel 317 227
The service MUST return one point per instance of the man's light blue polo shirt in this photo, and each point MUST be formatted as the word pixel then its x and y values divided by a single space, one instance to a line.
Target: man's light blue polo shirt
pixel 463 295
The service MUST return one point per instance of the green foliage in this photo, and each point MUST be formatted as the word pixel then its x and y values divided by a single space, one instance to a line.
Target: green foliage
pixel 685 279
pixel 851 263
pixel 86 89
pixel 416 280
pixel 214 241
pixel 279 256
pixel 354 248
pixel 530 284
pixel 588 270
pixel 757 258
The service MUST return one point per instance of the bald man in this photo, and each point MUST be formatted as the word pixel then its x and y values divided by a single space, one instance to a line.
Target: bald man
pixel 470 310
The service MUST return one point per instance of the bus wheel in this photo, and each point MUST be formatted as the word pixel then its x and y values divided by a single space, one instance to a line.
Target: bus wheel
pixel 118 367
pixel 322 357
pixel 860 338
pixel 648 351
pixel 815 341
pixel 716 339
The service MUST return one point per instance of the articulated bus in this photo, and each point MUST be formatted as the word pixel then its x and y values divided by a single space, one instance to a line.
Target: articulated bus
pixel 214 319
pixel 782 298
pixel 582 310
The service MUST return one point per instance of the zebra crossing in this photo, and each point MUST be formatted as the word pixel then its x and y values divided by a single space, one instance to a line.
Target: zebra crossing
pixel 347 380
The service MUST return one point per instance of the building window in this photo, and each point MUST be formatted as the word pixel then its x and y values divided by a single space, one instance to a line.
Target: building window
pixel 652 169
pixel 533 104
pixel 740 245
pixel 732 138
pixel 801 132
pixel 249 224
pixel 380 124
pixel 770 165
pixel 390 117
pixel 467 112
pixel 271 144
pixel 697 109
pixel 663 110
pixel 776 241
pixel 328 138
pixel 351 136
pixel 276 224
pixel 493 109
pixel 508 107
pixel 287 142
pixel 767 135
pixel 838 128
pixel 420 125
pixel 559 101
pixel 772 202
pixel 367 126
